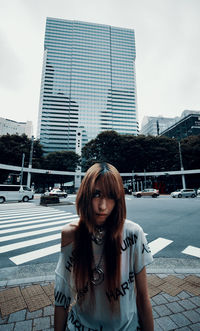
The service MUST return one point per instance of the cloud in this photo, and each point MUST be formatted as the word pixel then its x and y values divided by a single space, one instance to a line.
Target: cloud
pixel 11 67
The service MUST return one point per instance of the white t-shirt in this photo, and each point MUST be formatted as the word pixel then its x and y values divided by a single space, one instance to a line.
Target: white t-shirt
pixel 135 256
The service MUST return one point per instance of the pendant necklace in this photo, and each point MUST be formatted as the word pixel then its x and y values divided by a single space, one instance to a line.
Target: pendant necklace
pixel 98 274
pixel 99 235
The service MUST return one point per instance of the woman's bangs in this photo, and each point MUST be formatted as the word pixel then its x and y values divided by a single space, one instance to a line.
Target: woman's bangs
pixel 110 186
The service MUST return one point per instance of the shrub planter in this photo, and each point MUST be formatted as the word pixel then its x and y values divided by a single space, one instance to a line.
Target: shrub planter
pixel 48 200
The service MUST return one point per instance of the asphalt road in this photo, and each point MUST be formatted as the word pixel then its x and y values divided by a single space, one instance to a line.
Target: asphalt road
pixel 171 226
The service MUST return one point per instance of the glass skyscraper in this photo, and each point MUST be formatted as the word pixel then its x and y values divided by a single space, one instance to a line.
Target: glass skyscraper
pixel 88 82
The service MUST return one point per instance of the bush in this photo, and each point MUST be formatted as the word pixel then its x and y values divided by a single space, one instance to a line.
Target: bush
pixel 48 199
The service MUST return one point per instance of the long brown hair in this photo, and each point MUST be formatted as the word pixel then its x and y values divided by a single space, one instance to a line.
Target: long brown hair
pixel 112 187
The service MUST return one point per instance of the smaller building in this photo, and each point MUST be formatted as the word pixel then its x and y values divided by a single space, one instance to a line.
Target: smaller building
pixel 12 127
pixel 152 125
pixel 186 126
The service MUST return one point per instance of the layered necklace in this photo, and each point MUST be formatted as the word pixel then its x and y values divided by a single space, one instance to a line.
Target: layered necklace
pixel 98 237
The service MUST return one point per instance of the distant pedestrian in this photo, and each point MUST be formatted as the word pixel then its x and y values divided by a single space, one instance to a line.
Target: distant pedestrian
pixel 101 282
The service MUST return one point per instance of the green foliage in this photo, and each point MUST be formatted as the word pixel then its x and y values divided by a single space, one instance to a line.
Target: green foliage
pixel 128 152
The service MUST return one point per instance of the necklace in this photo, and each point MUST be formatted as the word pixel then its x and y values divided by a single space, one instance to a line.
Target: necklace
pixel 98 274
pixel 98 235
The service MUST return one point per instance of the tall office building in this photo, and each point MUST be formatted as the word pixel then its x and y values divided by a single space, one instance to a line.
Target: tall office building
pixel 88 82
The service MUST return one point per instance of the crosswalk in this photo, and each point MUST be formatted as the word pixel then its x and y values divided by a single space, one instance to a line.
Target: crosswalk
pixel 33 232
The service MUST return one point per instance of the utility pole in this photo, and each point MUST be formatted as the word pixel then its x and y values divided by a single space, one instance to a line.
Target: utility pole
pixel 145 180
pixel 22 169
pixel 181 162
pixel 30 163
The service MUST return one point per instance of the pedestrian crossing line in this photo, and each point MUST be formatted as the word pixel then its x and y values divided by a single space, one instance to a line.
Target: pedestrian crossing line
pixel 13 211
pixel 159 244
pixel 191 250
pixel 31 215
pixel 37 232
pixel 28 243
pixel 30 256
pixel 34 220
pixel 29 227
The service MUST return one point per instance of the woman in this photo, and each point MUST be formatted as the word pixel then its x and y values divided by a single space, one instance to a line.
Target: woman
pixel 101 280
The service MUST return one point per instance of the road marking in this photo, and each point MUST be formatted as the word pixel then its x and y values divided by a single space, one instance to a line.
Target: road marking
pixel 27 243
pixel 37 232
pixel 57 220
pixel 23 258
pixel 191 250
pixel 11 218
pixel 159 244
pixel 32 220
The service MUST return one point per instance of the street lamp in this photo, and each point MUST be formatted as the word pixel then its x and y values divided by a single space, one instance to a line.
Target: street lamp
pixel 181 162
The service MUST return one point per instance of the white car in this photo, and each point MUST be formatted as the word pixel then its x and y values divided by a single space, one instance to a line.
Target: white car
pixel 58 193
pixel 187 193
pixel 148 192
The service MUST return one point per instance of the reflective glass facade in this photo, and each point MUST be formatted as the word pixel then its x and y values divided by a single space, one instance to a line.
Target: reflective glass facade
pixel 88 81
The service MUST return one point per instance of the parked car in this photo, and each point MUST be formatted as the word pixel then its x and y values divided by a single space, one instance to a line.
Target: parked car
pixel 148 192
pixel 198 192
pixel 59 193
pixel 187 193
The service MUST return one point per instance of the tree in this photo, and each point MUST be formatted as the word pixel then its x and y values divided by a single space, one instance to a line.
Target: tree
pixel 12 148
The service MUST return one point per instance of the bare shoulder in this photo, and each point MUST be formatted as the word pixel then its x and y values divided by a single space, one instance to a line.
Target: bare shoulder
pixel 68 233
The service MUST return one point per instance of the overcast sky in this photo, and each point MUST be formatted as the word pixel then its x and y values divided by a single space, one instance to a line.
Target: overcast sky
pixel 167 51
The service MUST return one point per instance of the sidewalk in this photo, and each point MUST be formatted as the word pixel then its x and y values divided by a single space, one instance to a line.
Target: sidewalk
pixel 174 286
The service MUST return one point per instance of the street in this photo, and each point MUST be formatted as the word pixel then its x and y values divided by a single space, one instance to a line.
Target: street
pixel 30 233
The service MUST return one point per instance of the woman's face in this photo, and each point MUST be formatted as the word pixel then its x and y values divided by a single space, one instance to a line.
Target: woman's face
pixel 102 206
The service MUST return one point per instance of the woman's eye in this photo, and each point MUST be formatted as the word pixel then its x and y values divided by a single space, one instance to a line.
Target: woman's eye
pixel 97 194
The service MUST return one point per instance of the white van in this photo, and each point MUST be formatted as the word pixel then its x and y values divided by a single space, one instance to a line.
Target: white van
pixel 15 192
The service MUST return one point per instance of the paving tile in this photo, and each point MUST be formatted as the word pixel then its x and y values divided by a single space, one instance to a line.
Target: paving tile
pixel 49 289
pixel 3 320
pixel 155 280
pixel 192 315
pixel 193 279
pixel 189 287
pixel 159 299
pixel 18 316
pixel 175 280
pixel 48 311
pixel 32 291
pixel 153 291
pixel 37 302
pixel 166 323
pixel 41 323
pixel 34 314
pixel 157 326
pixel 195 327
pixel 180 320
pixel 171 298
pixel 184 329
pixel 162 310
pixel 175 307
pixel 170 289
pixel 12 306
pixel 196 301
pixel 184 295
pixel 187 304
pixel 155 314
pixel 23 326
pixel 7 327
pixel 10 294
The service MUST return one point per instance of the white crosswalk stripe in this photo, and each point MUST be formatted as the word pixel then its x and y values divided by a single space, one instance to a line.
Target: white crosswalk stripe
pixel 191 250
pixel 158 244
pixel 30 225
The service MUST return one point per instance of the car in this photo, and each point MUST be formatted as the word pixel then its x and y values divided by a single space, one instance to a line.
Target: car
pixel 59 193
pixel 187 193
pixel 198 191
pixel 10 192
pixel 146 193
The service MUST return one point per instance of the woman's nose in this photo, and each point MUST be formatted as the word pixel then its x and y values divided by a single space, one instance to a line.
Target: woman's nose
pixel 102 204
